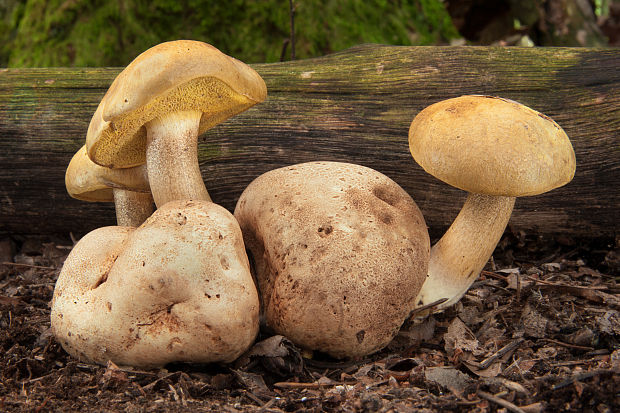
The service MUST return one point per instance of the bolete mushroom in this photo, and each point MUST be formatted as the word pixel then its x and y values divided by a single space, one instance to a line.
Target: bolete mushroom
pixel 340 252
pixel 495 149
pixel 158 105
pixel 128 188
pixel 177 288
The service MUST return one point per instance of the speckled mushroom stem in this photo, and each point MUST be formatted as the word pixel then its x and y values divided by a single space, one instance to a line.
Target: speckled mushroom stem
pixel 132 208
pixel 172 158
pixel 459 256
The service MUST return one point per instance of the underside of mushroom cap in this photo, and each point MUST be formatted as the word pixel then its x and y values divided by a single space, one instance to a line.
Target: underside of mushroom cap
pixel 175 76
pixel 88 181
pixel 492 146
pixel 177 288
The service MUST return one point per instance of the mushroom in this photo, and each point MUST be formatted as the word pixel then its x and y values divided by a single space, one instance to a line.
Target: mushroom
pixel 158 105
pixel 127 188
pixel 340 252
pixel 495 149
pixel 177 288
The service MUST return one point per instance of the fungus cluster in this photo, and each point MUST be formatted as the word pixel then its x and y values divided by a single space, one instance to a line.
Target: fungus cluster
pixel 341 250
pixel 174 285
pixel 341 253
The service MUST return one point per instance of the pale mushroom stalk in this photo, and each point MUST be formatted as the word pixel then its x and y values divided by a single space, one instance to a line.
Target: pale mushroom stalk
pixel 461 254
pixel 128 188
pixel 132 208
pixel 172 157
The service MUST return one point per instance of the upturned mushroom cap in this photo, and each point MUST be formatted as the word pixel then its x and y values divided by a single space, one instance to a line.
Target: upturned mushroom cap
pixel 182 75
pixel 492 146
pixel 87 181
pixel 340 252
pixel 177 288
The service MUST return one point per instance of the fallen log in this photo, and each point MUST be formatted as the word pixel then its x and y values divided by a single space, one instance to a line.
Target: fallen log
pixel 353 106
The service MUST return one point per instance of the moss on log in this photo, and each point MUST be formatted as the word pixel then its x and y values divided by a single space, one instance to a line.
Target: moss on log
pixel 353 106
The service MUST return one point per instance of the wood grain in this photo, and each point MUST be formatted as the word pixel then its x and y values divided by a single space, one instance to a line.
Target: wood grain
pixel 353 106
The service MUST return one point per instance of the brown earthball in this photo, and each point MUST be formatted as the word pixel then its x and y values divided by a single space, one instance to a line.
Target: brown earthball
pixel 340 252
pixel 177 288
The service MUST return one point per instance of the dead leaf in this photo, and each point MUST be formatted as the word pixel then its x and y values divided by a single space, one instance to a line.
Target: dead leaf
pixel 470 315
pixel 113 376
pixel 459 338
pixel 490 336
pixel 413 335
pixel 520 366
pixel 277 354
pixel 544 353
pixel 401 364
pixel 510 385
pixel 534 324
pixel 254 383
pixel 492 371
pixel 449 378
pixel 581 337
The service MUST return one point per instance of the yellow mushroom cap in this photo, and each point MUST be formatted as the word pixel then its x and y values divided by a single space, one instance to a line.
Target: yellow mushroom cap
pixel 174 76
pixel 88 181
pixel 492 146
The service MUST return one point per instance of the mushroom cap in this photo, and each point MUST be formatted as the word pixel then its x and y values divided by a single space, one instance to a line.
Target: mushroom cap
pixel 177 288
pixel 340 252
pixel 87 181
pixel 492 146
pixel 174 76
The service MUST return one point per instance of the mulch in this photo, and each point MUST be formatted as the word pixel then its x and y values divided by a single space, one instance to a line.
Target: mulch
pixel 538 331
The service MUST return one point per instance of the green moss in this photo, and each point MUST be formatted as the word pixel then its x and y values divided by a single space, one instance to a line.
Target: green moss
pixel 111 33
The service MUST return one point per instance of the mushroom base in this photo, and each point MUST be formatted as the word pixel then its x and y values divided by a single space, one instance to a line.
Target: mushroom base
pixel 177 288
pixel 465 248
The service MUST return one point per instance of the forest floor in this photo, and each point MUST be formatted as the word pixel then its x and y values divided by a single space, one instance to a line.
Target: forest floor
pixel 539 331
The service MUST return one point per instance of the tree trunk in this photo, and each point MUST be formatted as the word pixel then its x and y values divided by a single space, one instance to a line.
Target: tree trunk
pixel 353 106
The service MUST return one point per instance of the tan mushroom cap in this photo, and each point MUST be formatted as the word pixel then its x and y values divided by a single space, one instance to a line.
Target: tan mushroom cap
pixel 177 288
pixel 87 181
pixel 174 76
pixel 492 146
pixel 340 253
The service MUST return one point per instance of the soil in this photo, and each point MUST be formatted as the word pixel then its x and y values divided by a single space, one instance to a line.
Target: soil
pixel 539 331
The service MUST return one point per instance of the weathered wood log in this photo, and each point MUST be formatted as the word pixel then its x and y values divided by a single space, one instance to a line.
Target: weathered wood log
pixel 353 106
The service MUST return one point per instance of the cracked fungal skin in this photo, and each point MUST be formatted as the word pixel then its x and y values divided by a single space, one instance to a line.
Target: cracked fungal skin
pixel 177 288
pixel 340 252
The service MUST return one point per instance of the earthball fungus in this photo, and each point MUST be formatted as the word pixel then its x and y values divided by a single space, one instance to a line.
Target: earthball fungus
pixel 158 105
pixel 177 288
pixel 128 188
pixel 495 149
pixel 340 252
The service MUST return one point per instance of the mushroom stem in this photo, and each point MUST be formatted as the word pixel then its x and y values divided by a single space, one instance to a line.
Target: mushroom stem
pixel 132 208
pixel 172 158
pixel 459 256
